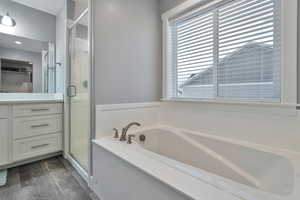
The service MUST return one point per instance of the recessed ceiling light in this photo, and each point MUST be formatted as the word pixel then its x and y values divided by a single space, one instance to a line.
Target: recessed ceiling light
pixel 18 42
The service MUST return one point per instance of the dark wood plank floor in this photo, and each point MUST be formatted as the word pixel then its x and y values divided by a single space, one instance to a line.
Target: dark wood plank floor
pixel 51 179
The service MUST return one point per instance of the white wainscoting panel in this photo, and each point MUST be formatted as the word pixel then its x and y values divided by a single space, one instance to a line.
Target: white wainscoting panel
pixel 119 115
pixel 277 127
pixel 268 125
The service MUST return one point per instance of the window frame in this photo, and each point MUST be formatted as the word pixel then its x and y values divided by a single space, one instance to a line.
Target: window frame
pixel 288 94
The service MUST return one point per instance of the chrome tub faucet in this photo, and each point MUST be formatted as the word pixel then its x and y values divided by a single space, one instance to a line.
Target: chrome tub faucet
pixel 125 130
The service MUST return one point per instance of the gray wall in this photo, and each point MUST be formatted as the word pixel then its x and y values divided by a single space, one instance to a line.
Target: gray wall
pixel 166 5
pixel 127 47
pixel 31 23
pixel 35 58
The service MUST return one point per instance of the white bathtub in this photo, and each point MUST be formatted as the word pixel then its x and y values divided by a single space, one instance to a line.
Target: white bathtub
pixel 245 171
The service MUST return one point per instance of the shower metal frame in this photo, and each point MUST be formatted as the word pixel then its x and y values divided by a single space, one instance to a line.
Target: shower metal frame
pixel 86 174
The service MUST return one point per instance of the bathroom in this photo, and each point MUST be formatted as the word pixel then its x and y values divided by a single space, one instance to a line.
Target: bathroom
pixel 149 99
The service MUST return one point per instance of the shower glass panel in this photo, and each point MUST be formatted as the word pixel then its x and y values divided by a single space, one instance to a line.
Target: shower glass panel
pixel 79 92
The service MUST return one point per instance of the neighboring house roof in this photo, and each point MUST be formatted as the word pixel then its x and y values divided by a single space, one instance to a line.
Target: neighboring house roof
pixel 227 65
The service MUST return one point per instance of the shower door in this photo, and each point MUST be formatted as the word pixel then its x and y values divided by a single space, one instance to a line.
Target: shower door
pixel 79 91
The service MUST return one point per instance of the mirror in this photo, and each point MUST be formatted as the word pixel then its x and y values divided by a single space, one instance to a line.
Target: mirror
pixel 26 65
pixel 32 46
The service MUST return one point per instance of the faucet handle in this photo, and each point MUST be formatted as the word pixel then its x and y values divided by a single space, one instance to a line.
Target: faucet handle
pixel 130 139
pixel 123 135
pixel 116 133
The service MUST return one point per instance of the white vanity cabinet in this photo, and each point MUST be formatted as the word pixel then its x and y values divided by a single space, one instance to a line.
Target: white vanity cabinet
pixel 29 131
pixel 4 135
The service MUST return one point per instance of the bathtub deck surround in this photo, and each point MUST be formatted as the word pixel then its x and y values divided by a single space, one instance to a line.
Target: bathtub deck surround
pixel 216 133
pixel 190 187
pixel 232 176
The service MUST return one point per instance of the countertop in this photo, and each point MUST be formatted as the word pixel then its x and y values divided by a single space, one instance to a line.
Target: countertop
pixel 19 98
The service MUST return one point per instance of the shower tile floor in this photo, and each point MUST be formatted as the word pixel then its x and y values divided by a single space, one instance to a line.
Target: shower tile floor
pixel 51 179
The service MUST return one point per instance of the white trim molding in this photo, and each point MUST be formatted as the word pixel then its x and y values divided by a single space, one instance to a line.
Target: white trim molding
pixel 187 6
pixel 127 106
pixel 289 36
pixel 232 102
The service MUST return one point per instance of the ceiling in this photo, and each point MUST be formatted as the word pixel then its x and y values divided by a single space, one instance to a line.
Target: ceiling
pixel 8 41
pixel 50 6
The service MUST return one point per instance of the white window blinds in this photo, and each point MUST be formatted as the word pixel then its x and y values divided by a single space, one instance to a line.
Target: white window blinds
pixel 229 51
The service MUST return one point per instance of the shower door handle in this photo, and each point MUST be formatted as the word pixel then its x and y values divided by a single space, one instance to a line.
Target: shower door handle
pixel 72 91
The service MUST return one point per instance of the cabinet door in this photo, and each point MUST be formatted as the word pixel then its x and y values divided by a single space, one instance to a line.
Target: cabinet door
pixel 3 141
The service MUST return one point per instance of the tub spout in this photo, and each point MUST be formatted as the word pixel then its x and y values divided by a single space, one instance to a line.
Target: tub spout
pixel 125 130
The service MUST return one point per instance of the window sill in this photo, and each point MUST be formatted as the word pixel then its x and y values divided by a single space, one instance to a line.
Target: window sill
pixel 233 102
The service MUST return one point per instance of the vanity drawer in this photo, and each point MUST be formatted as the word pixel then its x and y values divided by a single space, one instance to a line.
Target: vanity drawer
pixel 36 109
pixel 34 126
pixel 4 112
pixel 36 146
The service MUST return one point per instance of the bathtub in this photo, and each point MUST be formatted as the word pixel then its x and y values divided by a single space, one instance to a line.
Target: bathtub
pixel 244 171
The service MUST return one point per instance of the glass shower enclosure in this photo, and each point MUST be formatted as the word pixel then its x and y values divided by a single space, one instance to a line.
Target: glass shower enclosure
pixel 79 90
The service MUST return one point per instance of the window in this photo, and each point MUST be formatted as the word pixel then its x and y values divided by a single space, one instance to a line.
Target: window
pixel 231 50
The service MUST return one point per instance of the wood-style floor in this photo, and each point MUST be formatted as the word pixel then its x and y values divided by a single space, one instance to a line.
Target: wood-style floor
pixel 51 179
